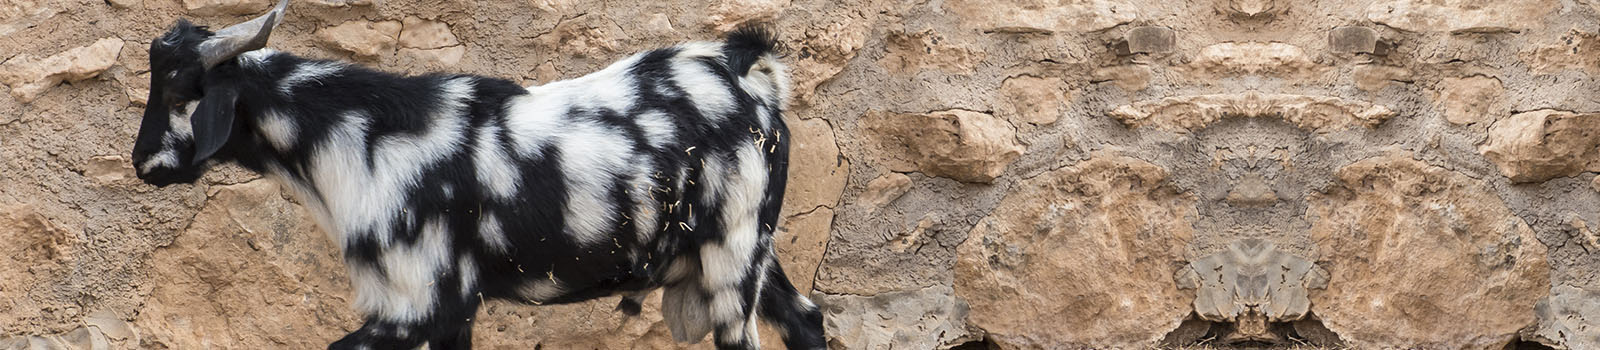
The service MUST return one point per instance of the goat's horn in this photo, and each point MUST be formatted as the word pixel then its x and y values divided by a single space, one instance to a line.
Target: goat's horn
pixel 242 37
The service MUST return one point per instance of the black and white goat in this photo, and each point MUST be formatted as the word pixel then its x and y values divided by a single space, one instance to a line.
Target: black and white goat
pixel 663 170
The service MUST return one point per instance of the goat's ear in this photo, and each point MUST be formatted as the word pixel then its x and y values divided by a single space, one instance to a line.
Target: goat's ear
pixel 241 38
pixel 213 120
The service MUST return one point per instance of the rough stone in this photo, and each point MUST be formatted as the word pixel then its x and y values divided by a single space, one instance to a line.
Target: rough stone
pixel 1046 16
pixel 37 254
pixel 1544 144
pixel 29 77
pixel 1312 113
pixel 1151 40
pixel 883 190
pixel 1130 78
pixel 226 7
pixel 108 169
pixel 1569 317
pixel 728 14
pixel 443 57
pixel 1035 100
pixel 1353 40
pixel 1473 99
pixel 417 33
pixel 1252 58
pixel 1373 77
pixel 1092 248
pixel 584 36
pixel 1408 244
pixel 362 38
pixel 1250 284
pixel 822 51
pixel 912 52
pixel 1576 50
pixel 816 171
pixel 801 243
pixel 248 272
pixel 958 144
pixel 1460 16
pixel 342 3
pixel 929 318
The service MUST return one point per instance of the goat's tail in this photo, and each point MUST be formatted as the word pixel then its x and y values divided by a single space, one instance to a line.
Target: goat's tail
pixel 751 51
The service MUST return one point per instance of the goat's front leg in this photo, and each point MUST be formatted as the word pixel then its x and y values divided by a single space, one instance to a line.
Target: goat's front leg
pixel 447 324
pixel 378 334
pixel 439 334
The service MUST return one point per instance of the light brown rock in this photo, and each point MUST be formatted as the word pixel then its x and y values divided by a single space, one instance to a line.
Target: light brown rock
pixel 1577 50
pixel 1250 284
pixel 106 170
pixel 817 173
pixel 342 3
pixel 1255 58
pixel 927 50
pixel 226 7
pixel 928 318
pixel 442 57
pixel 800 244
pixel 417 33
pixel 584 36
pixel 1130 78
pixel 1408 244
pixel 1544 144
pixel 1472 100
pixel 822 51
pixel 1195 112
pixel 362 38
pixel 1046 16
pixel 125 4
pixel 728 14
pixel 38 253
pixel 29 77
pixel 249 272
pixel 1373 77
pixel 883 190
pixel 1034 100
pixel 1092 248
pixel 1460 16
pixel 958 144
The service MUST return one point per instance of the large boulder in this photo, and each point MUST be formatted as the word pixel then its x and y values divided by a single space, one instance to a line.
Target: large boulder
pixel 1409 245
pixel 1081 257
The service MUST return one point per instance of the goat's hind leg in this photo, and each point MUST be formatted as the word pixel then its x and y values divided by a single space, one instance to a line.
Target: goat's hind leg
pixel 796 318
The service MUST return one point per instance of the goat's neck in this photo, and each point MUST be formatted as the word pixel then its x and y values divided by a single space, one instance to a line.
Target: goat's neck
pixel 352 143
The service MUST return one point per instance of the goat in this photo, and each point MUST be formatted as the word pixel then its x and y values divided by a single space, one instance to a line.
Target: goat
pixel 664 170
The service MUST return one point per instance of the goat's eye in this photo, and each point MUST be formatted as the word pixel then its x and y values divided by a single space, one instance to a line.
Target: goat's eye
pixel 179 106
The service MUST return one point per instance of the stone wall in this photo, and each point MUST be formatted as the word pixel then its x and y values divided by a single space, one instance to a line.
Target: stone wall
pixel 1016 174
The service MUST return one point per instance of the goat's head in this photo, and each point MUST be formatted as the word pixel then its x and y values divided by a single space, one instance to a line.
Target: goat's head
pixel 190 114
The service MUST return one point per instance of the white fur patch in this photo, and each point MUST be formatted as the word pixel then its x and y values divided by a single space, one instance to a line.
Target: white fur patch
pixel 659 130
pixel 493 235
pixel 308 73
pixel 709 93
pixel 469 275
pixel 592 157
pixel 405 291
pixel 367 199
pixel 279 130
pixel 541 289
pixel 495 170
pixel 166 157
pixel 725 264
